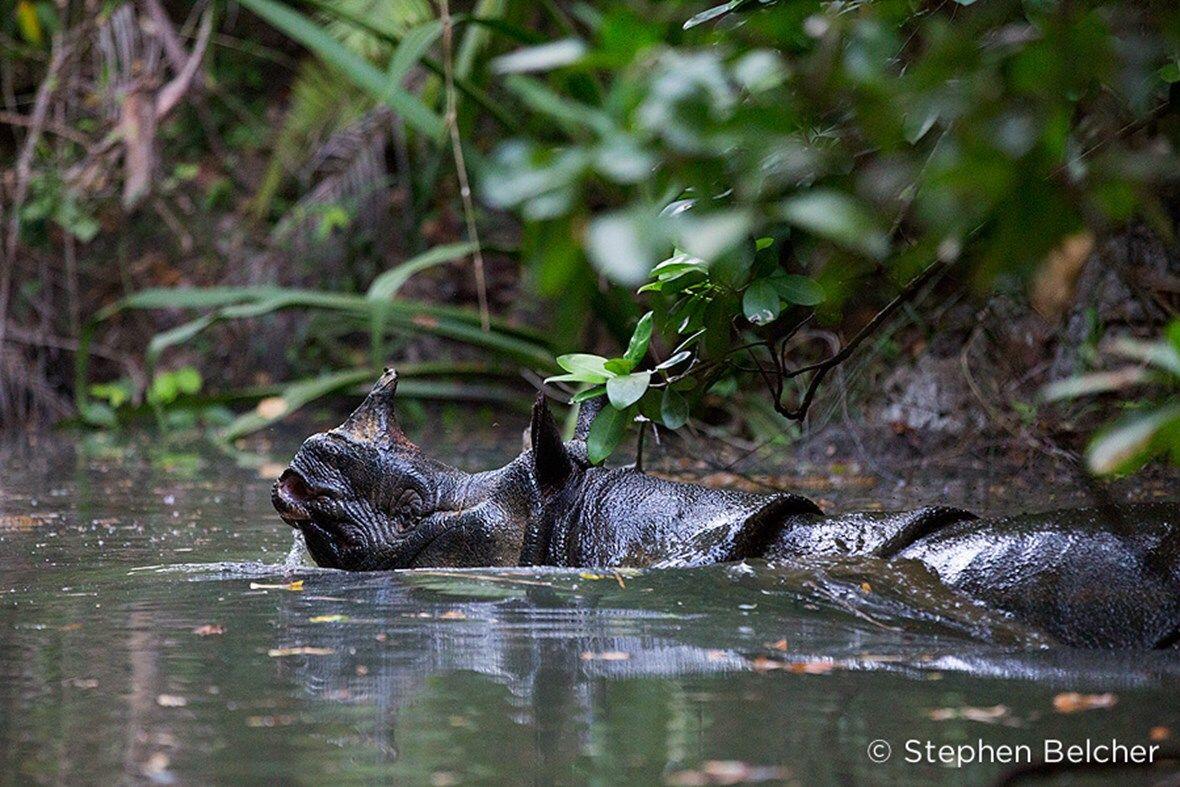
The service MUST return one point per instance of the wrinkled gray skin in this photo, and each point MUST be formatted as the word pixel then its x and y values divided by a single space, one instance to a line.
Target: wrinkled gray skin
pixel 368 499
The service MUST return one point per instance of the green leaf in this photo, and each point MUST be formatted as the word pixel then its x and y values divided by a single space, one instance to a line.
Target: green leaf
pixel 627 389
pixel 589 393
pixel 640 338
pixel 543 57
pixel 585 367
pixel 673 409
pixel 356 68
pixel 387 284
pixel 619 365
pixel 1094 383
pixel 1133 440
pixel 414 44
pixel 709 235
pixel 797 289
pixel 605 434
pixel 838 218
pixel 1162 355
pixel 188 380
pixel 622 245
pixel 675 358
pixel 760 302
pixel 294 395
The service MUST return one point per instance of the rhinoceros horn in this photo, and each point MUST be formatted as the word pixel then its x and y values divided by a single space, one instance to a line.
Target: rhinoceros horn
pixel 374 420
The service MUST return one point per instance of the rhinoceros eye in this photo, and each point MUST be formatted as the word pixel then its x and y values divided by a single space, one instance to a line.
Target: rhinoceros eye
pixel 409 501
pixel 407 509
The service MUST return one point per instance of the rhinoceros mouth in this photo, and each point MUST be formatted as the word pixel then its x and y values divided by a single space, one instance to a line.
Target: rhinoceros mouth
pixel 289 496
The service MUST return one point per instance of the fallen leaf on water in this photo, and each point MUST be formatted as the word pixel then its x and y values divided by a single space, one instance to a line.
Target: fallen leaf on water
pixel 1160 733
pixel 780 645
pixel 619 579
pixel 811 667
pixel 1072 701
pixel 209 630
pixel 865 587
pixel 156 765
pixel 302 650
pixel 171 701
pixel 12 523
pixel 453 614
pixel 588 575
pixel 296 585
pixel 987 715
pixel 609 655
pixel 328 618
pixel 269 721
pixel 727 772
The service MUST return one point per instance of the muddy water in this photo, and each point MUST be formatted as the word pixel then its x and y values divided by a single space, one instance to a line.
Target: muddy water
pixel 153 627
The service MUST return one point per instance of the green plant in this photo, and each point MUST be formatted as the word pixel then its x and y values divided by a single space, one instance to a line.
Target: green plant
pixel 1151 428
pixel 378 311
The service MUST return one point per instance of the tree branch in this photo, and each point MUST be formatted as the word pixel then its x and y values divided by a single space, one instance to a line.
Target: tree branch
pixel 821 368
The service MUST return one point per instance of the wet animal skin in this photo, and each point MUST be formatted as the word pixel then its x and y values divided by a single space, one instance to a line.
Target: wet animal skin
pixel 366 498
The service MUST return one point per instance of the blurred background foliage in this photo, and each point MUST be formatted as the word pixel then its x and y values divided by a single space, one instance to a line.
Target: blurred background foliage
pixel 700 211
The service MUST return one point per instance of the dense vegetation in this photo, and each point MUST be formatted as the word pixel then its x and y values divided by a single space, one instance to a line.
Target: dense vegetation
pixel 687 193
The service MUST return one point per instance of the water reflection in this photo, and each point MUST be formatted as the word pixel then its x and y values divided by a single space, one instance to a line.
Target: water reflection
pixel 150 630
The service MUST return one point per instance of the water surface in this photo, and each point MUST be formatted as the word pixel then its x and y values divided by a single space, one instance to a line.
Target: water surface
pixel 151 628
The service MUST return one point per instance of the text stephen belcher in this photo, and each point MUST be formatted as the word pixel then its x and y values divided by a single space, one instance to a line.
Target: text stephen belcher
pixel 1051 750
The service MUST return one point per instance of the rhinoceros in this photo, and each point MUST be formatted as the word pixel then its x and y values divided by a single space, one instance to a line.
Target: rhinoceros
pixel 366 498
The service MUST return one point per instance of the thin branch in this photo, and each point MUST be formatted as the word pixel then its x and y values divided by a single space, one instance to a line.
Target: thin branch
pixel 24 167
pixel 452 121
pixel 60 129
pixel 822 368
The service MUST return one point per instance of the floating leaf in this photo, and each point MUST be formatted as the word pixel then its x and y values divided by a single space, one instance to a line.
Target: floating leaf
pixel 302 650
pixel 1072 701
pixel 607 655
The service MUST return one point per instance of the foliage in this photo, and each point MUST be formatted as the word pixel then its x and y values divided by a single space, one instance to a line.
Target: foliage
pixel 377 310
pixel 844 137
pixel 1151 428
pixel 753 168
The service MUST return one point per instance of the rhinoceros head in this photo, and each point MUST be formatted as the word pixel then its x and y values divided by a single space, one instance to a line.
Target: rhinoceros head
pixel 366 498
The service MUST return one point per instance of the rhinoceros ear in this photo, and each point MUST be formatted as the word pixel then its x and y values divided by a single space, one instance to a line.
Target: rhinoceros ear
pixel 374 420
pixel 551 463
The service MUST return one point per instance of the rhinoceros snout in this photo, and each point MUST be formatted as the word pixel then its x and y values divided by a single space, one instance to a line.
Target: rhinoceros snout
pixel 290 496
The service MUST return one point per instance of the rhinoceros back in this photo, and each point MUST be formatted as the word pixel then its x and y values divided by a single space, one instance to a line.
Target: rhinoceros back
pixel 1074 573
